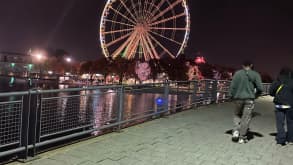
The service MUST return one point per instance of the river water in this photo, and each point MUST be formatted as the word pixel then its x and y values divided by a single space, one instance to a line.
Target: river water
pixel 67 110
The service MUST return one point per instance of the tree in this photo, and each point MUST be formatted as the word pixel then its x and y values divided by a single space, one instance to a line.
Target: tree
pixel 175 68
pixel 155 68
pixel 207 70
pixel 120 66
pixel 87 68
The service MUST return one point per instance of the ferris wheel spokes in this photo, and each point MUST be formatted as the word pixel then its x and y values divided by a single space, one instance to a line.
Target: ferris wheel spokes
pixel 119 31
pixel 152 46
pixel 118 39
pixel 122 47
pixel 167 28
pixel 170 39
pixel 148 52
pixel 159 6
pixel 128 10
pixel 146 29
pixel 134 8
pixel 117 22
pixel 170 7
pixel 163 47
pixel 168 19
pixel 122 15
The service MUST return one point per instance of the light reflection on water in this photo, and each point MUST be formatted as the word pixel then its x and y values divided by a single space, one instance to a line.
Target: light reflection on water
pixel 98 107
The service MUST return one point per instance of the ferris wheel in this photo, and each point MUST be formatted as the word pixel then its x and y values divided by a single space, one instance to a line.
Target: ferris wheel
pixel 144 29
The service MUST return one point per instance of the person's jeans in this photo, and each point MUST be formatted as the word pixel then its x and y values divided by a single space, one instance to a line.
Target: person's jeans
pixel 243 115
pixel 281 116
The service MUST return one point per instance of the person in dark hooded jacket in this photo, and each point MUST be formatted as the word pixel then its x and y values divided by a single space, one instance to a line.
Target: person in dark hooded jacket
pixel 282 91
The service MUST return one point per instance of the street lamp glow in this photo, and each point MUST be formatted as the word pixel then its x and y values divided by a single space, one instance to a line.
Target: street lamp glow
pixel 68 59
pixel 50 72
pixel 39 56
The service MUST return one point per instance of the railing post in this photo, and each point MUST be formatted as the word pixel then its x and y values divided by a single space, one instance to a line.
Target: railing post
pixel 25 125
pixel 36 119
pixel 121 106
pixel 194 94
pixel 214 91
pixel 206 93
pixel 166 97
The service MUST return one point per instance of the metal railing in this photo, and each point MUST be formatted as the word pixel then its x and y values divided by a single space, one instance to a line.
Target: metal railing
pixel 36 118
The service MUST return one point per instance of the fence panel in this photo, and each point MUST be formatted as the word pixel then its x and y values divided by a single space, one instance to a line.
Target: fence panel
pixel 57 115
pixel 10 122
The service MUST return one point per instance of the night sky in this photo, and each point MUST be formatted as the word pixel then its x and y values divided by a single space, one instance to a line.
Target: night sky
pixel 226 32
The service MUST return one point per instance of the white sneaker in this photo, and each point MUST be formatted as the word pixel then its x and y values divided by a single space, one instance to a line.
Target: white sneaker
pixel 241 141
pixel 235 136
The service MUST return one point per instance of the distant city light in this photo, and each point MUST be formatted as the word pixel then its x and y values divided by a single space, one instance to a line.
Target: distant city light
pixel 68 59
pixel 12 81
pixel 200 60
pixel 39 56
pixel 30 66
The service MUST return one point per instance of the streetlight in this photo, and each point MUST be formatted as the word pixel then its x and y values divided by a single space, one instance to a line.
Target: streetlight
pixel 39 57
pixel 68 59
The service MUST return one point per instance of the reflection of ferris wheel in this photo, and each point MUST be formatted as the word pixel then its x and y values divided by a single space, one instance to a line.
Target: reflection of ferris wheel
pixel 148 29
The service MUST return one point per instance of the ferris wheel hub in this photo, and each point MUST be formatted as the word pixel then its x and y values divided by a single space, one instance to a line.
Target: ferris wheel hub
pixel 141 28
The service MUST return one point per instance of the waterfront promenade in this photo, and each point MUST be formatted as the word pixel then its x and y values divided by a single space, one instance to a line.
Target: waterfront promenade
pixel 200 136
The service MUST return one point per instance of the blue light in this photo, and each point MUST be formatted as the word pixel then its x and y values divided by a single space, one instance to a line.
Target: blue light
pixel 160 101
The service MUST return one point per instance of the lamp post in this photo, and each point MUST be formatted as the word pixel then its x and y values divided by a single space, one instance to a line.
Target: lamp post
pixel 69 60
pixel 39 58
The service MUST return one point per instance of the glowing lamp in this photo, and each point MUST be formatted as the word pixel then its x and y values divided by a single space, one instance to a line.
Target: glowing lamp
pixel 200 60
pixel 160 101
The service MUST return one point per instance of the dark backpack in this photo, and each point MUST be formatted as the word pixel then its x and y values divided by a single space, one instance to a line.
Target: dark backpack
pixel 281 95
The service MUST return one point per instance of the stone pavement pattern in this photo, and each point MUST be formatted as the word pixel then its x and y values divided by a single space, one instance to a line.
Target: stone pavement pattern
pixel 194 137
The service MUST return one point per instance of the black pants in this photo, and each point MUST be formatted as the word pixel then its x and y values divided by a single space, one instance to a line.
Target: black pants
pixel 283 115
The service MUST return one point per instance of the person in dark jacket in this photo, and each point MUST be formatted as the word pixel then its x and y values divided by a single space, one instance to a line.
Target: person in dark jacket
pixel 282 91
pixel 244 86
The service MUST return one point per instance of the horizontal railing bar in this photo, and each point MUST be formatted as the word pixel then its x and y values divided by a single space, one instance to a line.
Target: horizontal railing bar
pixel 14 94
pixel 10 144
pixel 8 102
pixel 68 130
pixel 77 89
pixel 12 151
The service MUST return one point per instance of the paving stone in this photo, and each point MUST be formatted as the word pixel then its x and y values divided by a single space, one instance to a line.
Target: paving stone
pixel 107 162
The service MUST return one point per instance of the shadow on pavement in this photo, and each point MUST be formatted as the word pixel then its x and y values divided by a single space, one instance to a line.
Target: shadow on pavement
pixel 250 134
pixel 255 114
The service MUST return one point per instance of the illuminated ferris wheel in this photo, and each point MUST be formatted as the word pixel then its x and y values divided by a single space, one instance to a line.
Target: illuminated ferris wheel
pixel 144 29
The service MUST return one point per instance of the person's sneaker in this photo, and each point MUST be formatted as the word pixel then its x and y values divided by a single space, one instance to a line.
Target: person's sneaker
pixel 242 140
pixel 235 136
pixel 281 144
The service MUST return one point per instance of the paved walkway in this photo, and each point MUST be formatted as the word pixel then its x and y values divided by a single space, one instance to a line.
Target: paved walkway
pixel 196 137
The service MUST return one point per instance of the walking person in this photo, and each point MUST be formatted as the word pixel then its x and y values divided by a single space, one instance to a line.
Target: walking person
pixel 246 84
pixel 282 91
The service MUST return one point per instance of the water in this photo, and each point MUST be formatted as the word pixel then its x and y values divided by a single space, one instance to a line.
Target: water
pixel 63 111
